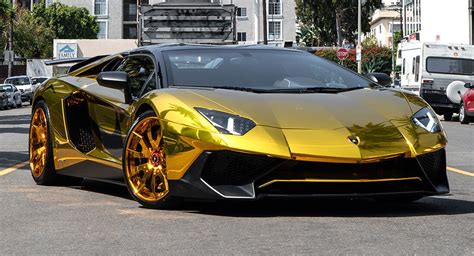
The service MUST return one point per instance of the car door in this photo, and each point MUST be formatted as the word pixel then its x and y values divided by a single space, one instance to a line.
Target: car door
pixel 113 118
pixel 470 101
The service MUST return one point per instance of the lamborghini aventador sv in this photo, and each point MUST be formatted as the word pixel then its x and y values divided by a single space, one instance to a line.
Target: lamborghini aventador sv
pixel 235 123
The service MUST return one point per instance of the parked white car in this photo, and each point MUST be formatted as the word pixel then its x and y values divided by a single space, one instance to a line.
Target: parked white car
pixel 24 84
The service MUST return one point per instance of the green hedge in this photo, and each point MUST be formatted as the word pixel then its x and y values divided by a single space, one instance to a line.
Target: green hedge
pixel 376 59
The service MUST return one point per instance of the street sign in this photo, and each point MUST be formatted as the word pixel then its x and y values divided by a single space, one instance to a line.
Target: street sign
pixel 9 56
pixel 359 53
pixel 342 53
pixel 67 51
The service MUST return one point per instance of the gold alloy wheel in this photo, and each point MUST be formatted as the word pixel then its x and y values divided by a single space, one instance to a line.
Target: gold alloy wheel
pixel 145 166
pixel 38 142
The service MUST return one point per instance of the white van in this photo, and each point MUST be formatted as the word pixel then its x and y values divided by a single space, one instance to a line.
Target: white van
pixel 430 68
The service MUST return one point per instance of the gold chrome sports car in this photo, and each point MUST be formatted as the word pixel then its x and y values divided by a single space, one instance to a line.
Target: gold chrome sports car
pixel 240 122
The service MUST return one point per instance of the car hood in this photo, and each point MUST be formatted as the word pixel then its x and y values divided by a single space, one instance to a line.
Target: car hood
pixel 311 111
pixel 321 124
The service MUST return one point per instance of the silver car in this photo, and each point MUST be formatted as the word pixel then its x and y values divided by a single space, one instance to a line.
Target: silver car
pixel 24 84
pixel 10 96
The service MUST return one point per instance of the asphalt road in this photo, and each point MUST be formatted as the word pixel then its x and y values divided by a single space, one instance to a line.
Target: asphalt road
pixel 102 219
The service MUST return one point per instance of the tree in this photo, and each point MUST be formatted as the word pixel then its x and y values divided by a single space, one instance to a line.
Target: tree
pixel 337 19
pixel 32 39
pixel 66 22
pixel 35 31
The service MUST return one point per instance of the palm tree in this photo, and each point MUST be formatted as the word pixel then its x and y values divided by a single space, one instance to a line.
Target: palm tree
pixel 6 10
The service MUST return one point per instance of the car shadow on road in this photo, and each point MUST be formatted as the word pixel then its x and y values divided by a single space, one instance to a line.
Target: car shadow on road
pixel 18 119
pixel 9 159
pixel 360 208
pixel 15 130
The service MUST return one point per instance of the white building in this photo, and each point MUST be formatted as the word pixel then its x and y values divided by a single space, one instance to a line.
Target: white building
pixel 281 21
pixel 447 22
pixel 383 25
pixel 411 12
pixel 118 18
pixel 439 21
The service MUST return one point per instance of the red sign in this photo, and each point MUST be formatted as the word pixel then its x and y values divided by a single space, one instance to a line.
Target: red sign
pixel 342 53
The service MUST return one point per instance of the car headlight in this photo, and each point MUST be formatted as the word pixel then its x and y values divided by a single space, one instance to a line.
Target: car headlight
pixel 427 120
pixel 227 123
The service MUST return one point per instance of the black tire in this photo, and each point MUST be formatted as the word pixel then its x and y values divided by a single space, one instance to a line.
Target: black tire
pixel 463 118
pixel 448 116
pixel 167 201
pixel 48 175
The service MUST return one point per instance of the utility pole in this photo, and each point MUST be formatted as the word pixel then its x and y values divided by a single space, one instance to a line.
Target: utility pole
pixel 359 37
pixel 11 55
pixel 265 22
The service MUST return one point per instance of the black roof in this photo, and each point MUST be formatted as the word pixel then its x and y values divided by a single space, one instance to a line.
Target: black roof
pixel 182 46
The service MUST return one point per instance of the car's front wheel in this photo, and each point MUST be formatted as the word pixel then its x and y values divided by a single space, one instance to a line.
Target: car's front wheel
pixel 144 163
pixel 40 146
pixel 463 118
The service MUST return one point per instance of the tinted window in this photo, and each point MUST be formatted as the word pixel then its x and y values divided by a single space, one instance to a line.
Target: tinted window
pixel 450 66
pixel 141 71
pixel 18 81
pixel 259 69
pixel 38 80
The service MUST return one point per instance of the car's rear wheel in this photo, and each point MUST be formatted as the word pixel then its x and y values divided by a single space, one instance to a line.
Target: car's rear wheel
pixel 463 118
pixel 40 146
pixel 144 163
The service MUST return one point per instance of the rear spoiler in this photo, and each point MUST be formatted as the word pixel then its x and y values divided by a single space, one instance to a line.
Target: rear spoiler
pixel 81 62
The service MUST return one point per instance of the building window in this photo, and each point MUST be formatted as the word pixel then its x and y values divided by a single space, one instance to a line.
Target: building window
pixel 241 36
pixel 129 10
pixel 274 7
pixel 241 12
pixel 274 30
pixel 102 30
pixel 130 31
pixel 100 7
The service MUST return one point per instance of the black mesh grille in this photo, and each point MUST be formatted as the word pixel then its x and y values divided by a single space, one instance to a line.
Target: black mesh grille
pixel 343 188
pixel 79 123
pixel 231 168
pixel 434 165
pixel 393 168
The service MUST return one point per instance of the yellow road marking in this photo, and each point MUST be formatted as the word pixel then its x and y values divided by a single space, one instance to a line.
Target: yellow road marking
pixel 13 168
pixel 460 171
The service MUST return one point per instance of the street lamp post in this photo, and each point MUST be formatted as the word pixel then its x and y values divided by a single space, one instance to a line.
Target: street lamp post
pixel 265 22
pixel 11 55
pixel 359 37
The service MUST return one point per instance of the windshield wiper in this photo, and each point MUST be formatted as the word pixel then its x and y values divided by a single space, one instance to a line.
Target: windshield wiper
pixel 314 90
pixel 224 87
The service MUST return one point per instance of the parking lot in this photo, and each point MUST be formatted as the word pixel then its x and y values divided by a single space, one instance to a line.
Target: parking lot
pixel 97 218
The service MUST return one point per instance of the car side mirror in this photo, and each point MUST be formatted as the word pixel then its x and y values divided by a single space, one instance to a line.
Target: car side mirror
pixel 469 85
pixel 380 78
pixel 116 80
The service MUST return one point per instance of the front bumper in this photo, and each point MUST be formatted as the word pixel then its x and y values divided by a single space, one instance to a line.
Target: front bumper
pixel 4 102
pixel 231 175
pixel 26 96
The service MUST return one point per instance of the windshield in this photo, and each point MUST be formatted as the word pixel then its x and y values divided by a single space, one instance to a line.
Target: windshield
pixel 450 66
pixel 257 69
pixel 6 88
pixel 18 81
